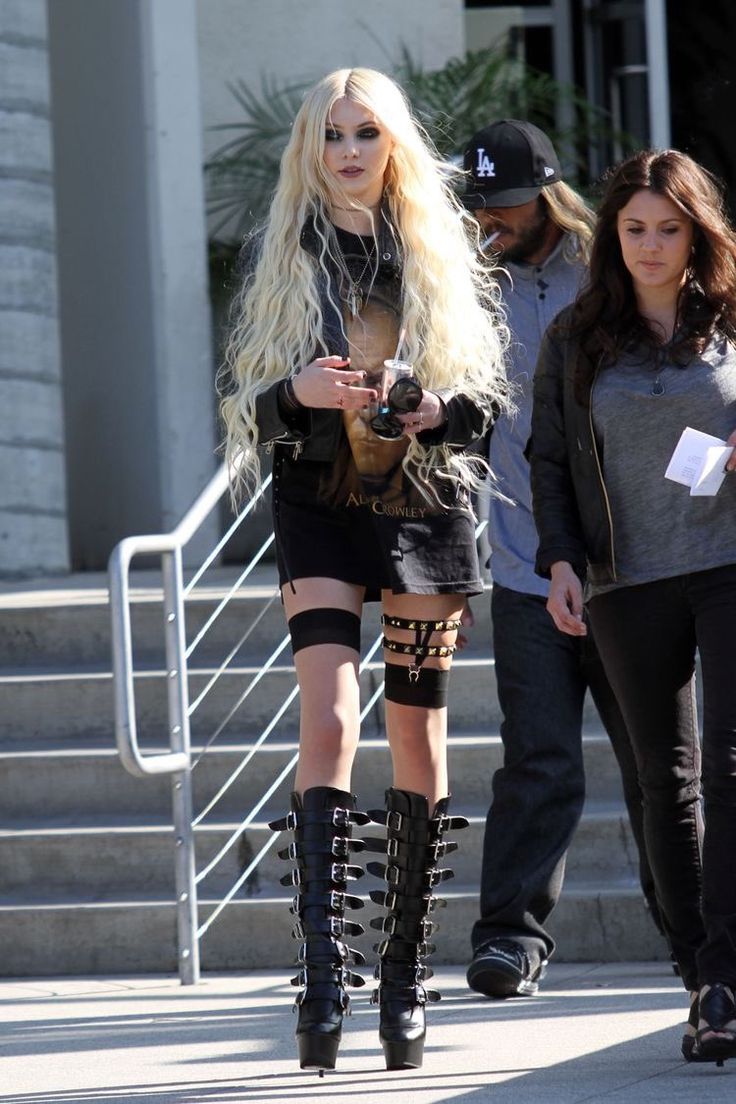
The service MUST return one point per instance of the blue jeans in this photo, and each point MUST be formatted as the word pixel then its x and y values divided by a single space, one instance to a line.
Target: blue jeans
pixel 538 793
pixel 648 636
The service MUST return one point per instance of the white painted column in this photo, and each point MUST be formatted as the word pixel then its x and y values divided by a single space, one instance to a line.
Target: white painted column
pixel 136 342
pixel 564 74
pixel 33 522
pixel 655 14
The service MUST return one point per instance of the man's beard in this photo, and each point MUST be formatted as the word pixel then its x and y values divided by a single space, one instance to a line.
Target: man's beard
pixel 528 242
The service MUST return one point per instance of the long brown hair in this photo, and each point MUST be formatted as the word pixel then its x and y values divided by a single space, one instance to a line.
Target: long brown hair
pixel 605 318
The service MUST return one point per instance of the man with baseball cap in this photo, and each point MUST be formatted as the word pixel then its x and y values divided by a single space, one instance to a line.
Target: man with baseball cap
pixel 539 230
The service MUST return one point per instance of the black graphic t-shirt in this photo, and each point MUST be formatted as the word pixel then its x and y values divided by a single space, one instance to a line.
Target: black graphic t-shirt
pixel 362 517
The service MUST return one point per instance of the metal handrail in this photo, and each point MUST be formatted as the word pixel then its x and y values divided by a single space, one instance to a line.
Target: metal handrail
pixel 177 760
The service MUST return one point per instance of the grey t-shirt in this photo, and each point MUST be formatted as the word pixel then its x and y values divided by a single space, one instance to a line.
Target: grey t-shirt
pixel 659 530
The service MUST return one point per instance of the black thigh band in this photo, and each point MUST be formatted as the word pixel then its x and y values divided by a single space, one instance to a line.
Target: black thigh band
pixel 429 690
pixel 324 626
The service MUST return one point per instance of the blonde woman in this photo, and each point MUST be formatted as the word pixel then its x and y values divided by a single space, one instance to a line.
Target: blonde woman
pixel 365 251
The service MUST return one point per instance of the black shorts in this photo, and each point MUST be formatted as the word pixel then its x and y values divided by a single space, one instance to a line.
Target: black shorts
pixel 404 549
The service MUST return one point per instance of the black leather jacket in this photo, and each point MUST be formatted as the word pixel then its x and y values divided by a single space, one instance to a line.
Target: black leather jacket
pixel 571 508
pixel 315 433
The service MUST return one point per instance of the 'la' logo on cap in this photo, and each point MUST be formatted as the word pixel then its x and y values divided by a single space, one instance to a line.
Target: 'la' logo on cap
pixel 485 166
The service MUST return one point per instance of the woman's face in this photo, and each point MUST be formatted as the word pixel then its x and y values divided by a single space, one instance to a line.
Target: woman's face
pixel 656 240
pixel 357 151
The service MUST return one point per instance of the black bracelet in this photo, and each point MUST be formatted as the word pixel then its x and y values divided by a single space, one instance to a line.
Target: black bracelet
pixel 288 397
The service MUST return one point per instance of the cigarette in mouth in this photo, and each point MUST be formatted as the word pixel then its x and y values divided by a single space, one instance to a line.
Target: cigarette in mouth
pixel 490 240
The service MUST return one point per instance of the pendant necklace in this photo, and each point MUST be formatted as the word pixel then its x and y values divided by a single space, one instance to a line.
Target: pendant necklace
pixel 354 297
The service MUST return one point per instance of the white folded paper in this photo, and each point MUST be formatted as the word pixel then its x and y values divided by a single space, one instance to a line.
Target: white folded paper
pixel 698 462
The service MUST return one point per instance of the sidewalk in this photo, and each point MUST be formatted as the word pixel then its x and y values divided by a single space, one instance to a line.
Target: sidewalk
pixel 608 1033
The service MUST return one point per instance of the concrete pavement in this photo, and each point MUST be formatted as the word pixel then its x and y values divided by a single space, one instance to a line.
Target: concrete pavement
pixel 596 1033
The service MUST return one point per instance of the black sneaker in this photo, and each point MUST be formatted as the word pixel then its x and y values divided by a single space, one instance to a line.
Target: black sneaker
pixel 502 968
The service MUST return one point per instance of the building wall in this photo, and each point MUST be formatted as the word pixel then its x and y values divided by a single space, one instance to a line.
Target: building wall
pixel 138 371
pixel 296 41
pixel 33 524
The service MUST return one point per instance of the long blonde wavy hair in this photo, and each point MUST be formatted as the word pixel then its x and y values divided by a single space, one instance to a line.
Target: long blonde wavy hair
pixel 455 335
pixel 571 213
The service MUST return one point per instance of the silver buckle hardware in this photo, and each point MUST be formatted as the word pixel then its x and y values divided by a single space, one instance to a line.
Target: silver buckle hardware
pixel 292 821
pixel 393 875
pixel 339 872
pixel 389 925
pixel 337 926
pixel 341 818
pixel 394 821
pixel 413 672
pixel 390 900
pixel 341 847
pixel 337 900
pixel 293 850
pixel 392 848
pixel 426 928
pixel 298 932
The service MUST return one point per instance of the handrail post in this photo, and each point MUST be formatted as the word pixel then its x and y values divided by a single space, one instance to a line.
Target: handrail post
pixel 179 738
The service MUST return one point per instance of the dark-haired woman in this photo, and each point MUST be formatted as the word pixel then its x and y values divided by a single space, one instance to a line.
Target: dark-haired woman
pixel 646 351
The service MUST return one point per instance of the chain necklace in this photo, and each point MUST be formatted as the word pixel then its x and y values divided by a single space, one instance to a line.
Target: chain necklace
pixel 353 296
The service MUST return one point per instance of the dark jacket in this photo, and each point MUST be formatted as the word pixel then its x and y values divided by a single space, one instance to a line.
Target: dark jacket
pixel 571 508
pixel 315 433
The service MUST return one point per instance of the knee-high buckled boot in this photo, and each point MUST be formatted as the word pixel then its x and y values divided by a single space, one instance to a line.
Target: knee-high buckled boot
pixel 321 823
pixel 413 845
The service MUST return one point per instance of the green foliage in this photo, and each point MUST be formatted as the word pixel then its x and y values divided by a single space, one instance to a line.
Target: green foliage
pixel 451 103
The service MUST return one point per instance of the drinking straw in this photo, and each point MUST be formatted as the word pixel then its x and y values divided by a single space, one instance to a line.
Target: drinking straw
pixel 400 342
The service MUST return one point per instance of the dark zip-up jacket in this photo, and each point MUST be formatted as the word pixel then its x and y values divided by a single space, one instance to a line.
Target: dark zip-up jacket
pixel 315 433
pixel 570 502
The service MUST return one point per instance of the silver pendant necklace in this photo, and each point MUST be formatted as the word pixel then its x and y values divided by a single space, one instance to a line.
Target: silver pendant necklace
pixel 657 386
pixel 353 296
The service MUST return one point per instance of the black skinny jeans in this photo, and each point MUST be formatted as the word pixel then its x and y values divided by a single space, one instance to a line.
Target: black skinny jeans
pixel 647 636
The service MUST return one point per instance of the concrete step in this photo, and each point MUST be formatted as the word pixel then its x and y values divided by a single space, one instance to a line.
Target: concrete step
pixel 139 936
pixel 109 858
pixel 70 626
pixel 75 708
pixel 76 783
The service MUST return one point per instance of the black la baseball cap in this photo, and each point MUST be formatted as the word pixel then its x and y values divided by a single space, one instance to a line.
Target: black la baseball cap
pixel 507 164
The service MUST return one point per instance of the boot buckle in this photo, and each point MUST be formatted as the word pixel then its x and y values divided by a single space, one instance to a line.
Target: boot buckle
pixel 393 875
pixel 392 847
pixel 394 820
pixel 339 872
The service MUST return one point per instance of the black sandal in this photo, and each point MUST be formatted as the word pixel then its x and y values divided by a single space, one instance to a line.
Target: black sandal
pixel 714 1042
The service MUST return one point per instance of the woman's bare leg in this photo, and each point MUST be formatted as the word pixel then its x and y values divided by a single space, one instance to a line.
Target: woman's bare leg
pixel 417 735
pixel 328 684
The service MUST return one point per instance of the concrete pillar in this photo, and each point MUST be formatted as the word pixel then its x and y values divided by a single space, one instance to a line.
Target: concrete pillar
pixel 33 523
pixel 138 373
